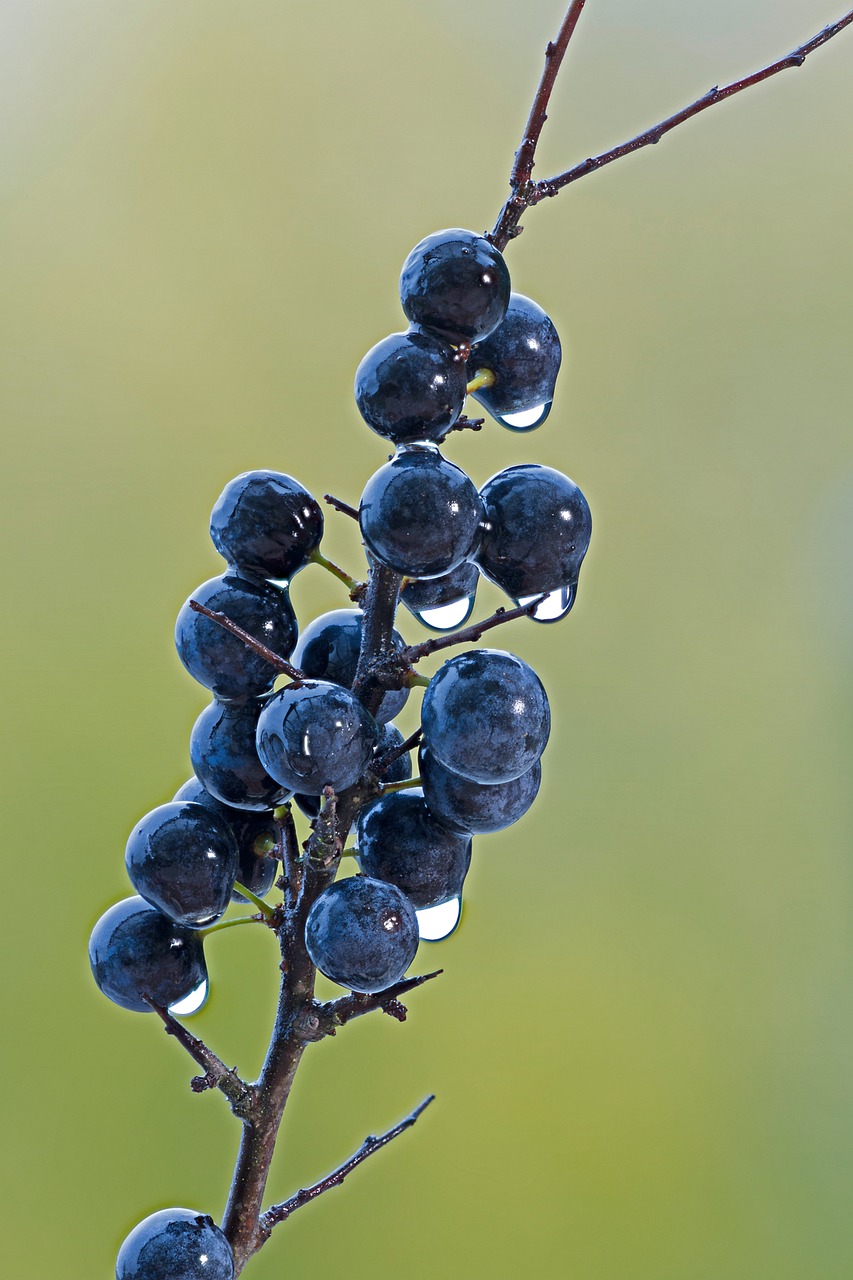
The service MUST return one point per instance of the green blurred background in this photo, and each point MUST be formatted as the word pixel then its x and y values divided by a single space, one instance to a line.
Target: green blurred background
pixel 642 1044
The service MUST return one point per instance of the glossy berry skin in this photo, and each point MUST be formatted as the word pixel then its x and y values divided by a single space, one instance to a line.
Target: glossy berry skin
pixel 420 515
pixel 524 354
pixel 485 715
pixel 182 859
pixel 219 660
pixel 400 770
pixel 401 842
pixel 455 284
pixel 315 735
pixel 410 387
pixel 175 1244
pixel 328 650
pixel 265 522
pixel 255 834
pixel 536 530
pixel 225 758
pixel 135 950
pixel 475 807
pixel 362 933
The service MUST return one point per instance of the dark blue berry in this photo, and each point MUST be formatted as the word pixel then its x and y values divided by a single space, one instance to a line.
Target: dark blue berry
pixel 476 807
pixel 256 837
pixel 218 659
pixel 536 530
pixel 400 770
pixel 410 387
pixel 455 284
pixel 182 858
pixel 315 735
pixel 267 523
pixel 136 951
pixel 485 715
pixel 401 842
pixel 524 356
pixel 175 1244
pixel 362 933
pixel 328 650
pixel 420 515
pixel 444 603
pixel 225 758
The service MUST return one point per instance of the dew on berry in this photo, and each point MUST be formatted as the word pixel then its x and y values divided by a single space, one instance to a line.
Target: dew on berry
pixel 525 419
pixel 447 617
pixel 437 923
pixel 555 605
pixel 191 1003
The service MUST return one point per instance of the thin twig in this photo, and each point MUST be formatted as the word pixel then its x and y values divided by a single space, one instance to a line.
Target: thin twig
pixel 414 652
pixel 289 855
pixel 343 507
pixel 275 660
pixel 281 1212
pixel 554 54
pixel 216 1074
pixel 383 764
pixel 341 1011
pixel 526 193
pixel 551 186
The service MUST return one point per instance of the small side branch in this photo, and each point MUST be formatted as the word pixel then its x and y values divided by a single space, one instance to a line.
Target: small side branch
pixel 344 507
pixel 275 660
pixel 414 652
pixel 551 186
pixel 383 764
pixel 525 193
pixel 281 1212
pixel 216 1074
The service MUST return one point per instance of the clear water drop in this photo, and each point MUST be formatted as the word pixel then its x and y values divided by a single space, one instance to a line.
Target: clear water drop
pixel 526 419
pixel 436 923
pixel 191 1003
pixel 555 605
pixel 447 617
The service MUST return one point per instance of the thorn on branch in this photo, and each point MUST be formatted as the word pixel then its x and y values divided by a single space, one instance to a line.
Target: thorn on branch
pixel 281 1212
pixel 343 507
pixel 216 1074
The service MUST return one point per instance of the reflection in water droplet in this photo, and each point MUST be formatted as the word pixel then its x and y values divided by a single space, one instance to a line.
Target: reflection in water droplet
pixel 555 605
pixel 526 419
pixel 447 617
pixel 191 1003
pixel 439 922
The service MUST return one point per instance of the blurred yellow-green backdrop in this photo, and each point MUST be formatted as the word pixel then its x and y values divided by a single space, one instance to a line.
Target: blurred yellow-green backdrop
pixel 642 1042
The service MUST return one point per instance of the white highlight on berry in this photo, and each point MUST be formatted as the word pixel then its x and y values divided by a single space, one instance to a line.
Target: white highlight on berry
pixel 435 923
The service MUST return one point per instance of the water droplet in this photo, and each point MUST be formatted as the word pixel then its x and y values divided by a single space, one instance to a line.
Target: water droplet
pixel 436 923
pixel 191 1003
pixel 555 605
pixel 526 419
pixel 447 617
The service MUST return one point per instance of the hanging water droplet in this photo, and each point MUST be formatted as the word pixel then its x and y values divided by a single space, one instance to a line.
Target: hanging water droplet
pixel 436 923
pixel 192 1003
pixel 555 605
pixel 526 419
pixel 447 617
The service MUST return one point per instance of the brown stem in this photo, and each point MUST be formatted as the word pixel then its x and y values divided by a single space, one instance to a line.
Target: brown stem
pixel 339 1012
pixel 216 1074
pixel 551 186
pixel 343 507
pixel 275 660
pixel 526 193
pixel 383 764
pixel 281 1212
pixel 554 55
pixel 414 652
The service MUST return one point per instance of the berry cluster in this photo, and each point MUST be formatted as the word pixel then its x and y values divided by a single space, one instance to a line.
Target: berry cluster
pixel 308 718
